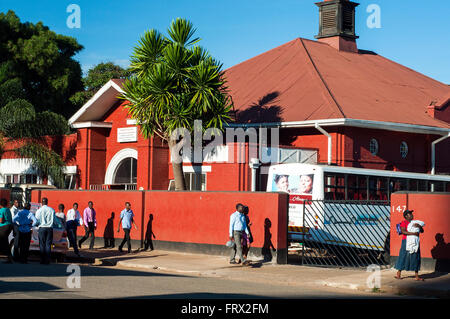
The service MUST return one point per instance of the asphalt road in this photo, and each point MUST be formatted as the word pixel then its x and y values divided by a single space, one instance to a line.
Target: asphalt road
pixel 50 281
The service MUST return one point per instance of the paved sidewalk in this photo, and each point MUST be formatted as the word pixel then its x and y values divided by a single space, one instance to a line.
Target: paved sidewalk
pixel 435 284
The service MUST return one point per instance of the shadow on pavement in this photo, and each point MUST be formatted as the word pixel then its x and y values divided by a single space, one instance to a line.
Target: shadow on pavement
pixel 60 270
pixel 25 286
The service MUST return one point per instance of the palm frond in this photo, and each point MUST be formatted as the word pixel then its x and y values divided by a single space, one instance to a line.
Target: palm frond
pixel 181 31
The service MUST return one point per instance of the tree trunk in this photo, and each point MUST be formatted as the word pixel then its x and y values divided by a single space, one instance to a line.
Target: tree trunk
pixel 180 184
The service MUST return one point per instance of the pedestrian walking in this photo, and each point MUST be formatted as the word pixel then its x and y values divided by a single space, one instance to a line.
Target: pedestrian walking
pixel 73 220
pixel 45 216
pixel 126 219
pixel 108 234
pixel 5 229
pixel 149 233
pixel 407 260
pixel 25 221
pixel 90 225
pixel 14 210
pixel 237 227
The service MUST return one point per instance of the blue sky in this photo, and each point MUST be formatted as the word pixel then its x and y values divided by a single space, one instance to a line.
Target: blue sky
pixel 413 33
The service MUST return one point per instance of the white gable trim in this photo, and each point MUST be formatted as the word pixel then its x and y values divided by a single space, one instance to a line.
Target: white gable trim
pixel 92 124
pixel 89 104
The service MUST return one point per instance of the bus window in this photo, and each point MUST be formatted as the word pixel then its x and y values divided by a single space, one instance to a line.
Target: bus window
pixel 362 187
pixel 398 185
pixel 423 186
pixel 447 187
pixel 372 188
pixel 413 185
pixel 356 187
pixel 437 186
pixel 351 187
pixel 334 187
pixel 377 188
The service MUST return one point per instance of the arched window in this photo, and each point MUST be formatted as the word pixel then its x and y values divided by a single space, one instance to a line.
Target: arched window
pixel 373 146
pixel 403 149
pixel 126 172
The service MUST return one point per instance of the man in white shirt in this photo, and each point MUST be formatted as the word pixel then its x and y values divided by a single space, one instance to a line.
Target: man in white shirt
pixel 237 227
pixel 73 220
pixel 45 217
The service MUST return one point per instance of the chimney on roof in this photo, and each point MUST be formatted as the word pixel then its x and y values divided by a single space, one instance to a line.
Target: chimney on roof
pixel 337 24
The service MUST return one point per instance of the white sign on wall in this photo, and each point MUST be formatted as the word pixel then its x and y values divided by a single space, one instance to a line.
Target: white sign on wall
pixel 127 134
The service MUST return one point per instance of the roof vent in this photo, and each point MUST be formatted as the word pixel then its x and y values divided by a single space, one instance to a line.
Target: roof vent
pixel 337 24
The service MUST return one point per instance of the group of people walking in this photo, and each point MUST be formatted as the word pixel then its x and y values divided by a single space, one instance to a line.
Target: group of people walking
pixel 21 221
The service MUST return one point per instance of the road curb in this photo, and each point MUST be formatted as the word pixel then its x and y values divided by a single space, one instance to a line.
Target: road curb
pixel 420 292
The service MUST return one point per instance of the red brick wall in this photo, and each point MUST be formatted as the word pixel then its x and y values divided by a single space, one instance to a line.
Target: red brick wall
pixel 433 209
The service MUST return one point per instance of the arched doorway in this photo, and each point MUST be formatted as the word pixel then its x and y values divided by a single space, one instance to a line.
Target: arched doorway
pixel 122 170
pixel 126 172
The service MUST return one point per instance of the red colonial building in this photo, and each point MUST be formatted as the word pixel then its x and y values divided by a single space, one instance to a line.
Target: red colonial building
pixel 333 103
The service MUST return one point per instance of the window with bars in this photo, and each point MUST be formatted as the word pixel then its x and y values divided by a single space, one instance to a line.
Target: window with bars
pixel 22 179
pixel 195 181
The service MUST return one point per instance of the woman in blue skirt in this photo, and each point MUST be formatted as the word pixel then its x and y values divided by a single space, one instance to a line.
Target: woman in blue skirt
pixel 406 260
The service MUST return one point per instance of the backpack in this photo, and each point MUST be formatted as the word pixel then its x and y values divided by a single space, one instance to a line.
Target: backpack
pixel 399 229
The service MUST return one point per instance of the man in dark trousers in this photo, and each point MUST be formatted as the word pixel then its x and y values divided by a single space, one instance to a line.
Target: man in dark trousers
pixel 90 224
pixel 45 217
pixel 126 219
pixel 25 221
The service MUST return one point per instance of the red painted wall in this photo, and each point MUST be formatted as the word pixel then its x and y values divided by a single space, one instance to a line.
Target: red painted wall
pixel 105 202
pixel 192 217
pixel 203 217
pixel 433 209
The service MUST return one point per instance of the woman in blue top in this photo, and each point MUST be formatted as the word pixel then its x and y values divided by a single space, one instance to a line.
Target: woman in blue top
pixel 5 229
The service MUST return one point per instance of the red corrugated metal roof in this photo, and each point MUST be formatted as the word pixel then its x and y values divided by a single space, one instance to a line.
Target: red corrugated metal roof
pixel 309 80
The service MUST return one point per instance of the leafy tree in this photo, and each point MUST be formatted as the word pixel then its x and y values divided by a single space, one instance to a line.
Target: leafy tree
pixel 43 62
pixel 24 131
pixel 96 78
pixel 174 83
pixel 37 77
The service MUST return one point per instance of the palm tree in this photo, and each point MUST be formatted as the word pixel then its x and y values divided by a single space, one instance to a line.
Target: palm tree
pixel 174 83
pixel 23 132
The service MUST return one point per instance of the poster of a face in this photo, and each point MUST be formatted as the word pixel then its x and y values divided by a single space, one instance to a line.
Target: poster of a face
pixel 293 184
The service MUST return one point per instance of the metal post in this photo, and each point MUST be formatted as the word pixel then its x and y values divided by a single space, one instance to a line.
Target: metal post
pixel 321 130
pixel 254 165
